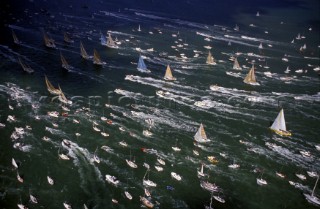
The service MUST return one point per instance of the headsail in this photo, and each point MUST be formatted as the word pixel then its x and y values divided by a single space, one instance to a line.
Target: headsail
pixel 251 78
pixel 51 88
pixel 201 136
pixel 210 59
pixel 168 76
pixel 142 66
pixel 279 125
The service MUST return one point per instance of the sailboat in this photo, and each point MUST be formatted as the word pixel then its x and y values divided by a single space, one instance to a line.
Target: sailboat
pixel 251 78
pixel 131 163
pixel 48 41
pixel 95 157
pixel 83 52
pixel 168 76
pixel 260 46
pixel 97 59
pixel 201 136
pixel 148 182
pixel 142 66
pixel 15 38
pixel 279 125
pixel 200 173
pixel 25 67
pixel 64 62
pixel 67 38
pixel 210 59
pixel 236 28
pixel 312 198
pixel 139 28
pixel 236 65
pixel 62 98
pixel 51 88
pixel 111 43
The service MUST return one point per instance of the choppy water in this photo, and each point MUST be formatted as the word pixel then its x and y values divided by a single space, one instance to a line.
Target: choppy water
pixel 234 112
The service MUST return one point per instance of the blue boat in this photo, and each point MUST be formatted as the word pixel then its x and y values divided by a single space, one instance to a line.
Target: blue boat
pixel 142 66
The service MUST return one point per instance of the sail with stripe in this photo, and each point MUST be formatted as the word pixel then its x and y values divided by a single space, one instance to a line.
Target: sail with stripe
pixel 201 135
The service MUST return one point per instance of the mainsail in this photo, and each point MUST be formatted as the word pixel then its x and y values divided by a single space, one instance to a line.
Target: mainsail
pixel 279 125
pixel 251 78
pixel 210 59
pixel 168 76
pixel 51 88
pixel 236 65
pixel 142 66
pixel 201 136
pixel 83 52
pixel 110 42
pixel 15 38
pixel 48 41
pixel 25 67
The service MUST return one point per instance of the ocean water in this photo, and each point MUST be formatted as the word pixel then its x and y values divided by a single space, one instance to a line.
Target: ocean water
pixel 172 32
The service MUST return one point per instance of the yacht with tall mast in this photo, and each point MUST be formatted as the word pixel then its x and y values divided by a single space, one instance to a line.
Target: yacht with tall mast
pixel 279 125
pixel 210 59
pixel 25 67
pixel 83 52
pixel 168 75
pixel 97 59
pixel 142 66
pixel 201 135
pixel 251 78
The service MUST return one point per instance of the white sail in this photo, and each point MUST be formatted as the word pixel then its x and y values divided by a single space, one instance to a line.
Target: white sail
pixel 201 136
pixel 279 123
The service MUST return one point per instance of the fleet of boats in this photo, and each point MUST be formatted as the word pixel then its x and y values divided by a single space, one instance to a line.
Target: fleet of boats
pixel 278 126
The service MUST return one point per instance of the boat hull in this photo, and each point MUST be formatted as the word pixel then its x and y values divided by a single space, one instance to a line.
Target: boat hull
pixel 281 132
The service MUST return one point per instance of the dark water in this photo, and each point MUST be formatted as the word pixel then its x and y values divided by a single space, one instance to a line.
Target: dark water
pixel 236 111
